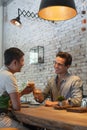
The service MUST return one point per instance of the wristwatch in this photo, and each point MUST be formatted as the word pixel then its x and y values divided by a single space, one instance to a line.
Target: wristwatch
pixel 69 101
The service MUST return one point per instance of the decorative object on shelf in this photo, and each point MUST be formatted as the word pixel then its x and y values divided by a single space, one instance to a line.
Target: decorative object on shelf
pixel 16 21
pixel 83 12
pixel 84 16
pixel 55 10
pixel 84 21
pixel 37 55
pixel 83 29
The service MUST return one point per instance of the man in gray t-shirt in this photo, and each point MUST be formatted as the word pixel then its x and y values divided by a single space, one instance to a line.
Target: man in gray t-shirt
pixel 9 95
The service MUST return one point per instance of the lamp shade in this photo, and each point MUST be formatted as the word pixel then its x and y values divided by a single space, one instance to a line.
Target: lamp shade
pixel 55 10
pixel 16 21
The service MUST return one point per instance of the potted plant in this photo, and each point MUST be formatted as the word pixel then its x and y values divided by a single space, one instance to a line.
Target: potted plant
pixel 60 99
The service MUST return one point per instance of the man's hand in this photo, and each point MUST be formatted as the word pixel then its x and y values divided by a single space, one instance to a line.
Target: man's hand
pixel 38 96
pixel 50 103
pixel 28 89
pixel 65 103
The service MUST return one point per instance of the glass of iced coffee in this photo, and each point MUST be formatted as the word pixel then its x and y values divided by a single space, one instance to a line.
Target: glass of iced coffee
pixel 31 85
pixel 38 96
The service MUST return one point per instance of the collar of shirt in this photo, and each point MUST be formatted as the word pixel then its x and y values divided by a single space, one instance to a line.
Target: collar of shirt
pixel 64 79
pixel 4 68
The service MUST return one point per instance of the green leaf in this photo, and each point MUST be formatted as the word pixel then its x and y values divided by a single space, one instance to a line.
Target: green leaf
pixel 61 98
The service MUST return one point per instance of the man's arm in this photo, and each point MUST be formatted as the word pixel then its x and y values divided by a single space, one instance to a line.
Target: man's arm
pixel 42 95
pixel 76 93
pixel 15 100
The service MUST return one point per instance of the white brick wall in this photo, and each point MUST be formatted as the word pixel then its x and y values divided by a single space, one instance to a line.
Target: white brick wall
pixel 64 35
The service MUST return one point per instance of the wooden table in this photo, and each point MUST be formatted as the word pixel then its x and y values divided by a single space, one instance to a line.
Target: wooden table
pixel 48 117
pixel 9 129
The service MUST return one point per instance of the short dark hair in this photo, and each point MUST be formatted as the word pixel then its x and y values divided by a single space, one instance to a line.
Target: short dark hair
pixel 11 54
pixel 66 56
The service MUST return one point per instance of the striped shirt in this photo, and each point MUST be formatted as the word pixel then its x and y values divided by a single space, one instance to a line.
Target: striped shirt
pixel 70 87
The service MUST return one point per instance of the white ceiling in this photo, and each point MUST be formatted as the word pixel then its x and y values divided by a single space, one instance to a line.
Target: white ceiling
pixel 5 2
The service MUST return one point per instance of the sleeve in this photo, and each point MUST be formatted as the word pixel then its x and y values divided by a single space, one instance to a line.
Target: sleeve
pixel 47 89
pixel 76 92
pixel 11 84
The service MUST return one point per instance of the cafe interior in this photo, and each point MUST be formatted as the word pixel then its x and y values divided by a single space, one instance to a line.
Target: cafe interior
pixel 29 25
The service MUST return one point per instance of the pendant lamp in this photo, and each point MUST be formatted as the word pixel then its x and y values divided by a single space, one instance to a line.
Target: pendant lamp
pixel 55 10
pixel 16 21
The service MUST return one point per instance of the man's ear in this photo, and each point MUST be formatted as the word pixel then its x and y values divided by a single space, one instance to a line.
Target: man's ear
pixel 68 66
pixel 14 62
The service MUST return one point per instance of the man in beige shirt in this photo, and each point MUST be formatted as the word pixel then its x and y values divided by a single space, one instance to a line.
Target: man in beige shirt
pixel 63 84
